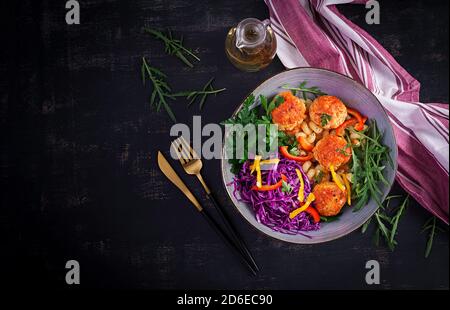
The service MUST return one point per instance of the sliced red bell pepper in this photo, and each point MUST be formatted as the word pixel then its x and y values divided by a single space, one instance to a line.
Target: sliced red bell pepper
pixel 305 145
pixel 313 212
pixel 341 129
pixel 284 151
pixel 265 188
pixel 361 119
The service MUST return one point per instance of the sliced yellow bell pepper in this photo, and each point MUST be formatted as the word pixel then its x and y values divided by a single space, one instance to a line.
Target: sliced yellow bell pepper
pixel 308 202
pixel 272 161
pixel 336 178
pixel 301 190
pixel 348 188
pixel 257 165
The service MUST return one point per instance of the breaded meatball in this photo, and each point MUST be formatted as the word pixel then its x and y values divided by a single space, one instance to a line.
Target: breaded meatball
pixel 332 150
pixel 329 198
pixel 328 112
pixel 290 114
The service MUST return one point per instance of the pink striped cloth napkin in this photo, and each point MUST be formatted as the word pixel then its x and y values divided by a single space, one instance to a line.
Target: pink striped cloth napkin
pixel 313 33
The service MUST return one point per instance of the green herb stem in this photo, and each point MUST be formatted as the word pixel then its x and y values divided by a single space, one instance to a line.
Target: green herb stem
pixel 173 46
pixel 192 95
pixel 161 90
pixel 303 89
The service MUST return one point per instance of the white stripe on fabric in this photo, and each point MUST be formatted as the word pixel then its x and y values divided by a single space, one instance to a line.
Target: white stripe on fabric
pixel 424 132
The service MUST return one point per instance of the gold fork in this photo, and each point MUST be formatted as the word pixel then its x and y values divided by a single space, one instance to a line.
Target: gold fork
pixel 190 161
pixel 192 164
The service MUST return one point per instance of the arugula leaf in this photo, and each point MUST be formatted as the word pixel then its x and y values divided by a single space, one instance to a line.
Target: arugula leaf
pixel 302 88
pixel 433 228
pixel 161 90
pixel 367 167
pixel 207 90
pixel 173 46
pixel 386 221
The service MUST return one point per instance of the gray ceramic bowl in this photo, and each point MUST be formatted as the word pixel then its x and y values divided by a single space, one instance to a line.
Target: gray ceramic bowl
pixel 354 95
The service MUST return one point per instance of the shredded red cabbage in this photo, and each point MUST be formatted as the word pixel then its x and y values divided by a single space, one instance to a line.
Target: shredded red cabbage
pixel 272 208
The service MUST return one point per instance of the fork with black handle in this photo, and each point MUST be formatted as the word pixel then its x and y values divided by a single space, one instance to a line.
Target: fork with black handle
pixel 192 164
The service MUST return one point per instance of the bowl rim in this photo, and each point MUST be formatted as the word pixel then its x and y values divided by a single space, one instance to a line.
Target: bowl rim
pixel 395 149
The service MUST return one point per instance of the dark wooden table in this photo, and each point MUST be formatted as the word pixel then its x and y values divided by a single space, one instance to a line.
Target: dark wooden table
pixel 78 166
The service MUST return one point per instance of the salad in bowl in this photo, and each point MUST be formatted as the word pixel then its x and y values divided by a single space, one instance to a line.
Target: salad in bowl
pixel 334 163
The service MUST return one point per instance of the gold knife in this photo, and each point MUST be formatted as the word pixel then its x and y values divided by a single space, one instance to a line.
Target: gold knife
pixel 173 177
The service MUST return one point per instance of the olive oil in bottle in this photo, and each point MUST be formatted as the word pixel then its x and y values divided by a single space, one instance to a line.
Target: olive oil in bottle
pixel 251 45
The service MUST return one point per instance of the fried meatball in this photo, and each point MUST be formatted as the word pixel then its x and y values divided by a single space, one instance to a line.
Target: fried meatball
pixel 329 198
pixel 332 150
pixel 328 112
pixel 290 114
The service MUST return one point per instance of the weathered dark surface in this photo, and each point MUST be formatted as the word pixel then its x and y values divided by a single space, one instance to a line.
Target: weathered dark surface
pixel 79 177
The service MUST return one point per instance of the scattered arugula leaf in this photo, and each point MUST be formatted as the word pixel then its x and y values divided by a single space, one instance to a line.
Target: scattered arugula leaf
pixel 305 90
pixel 367 167
pixel 324 119
pixel 207 90
pixel 173 46
pixel 433 228
pixel 161 90
pixel 386 221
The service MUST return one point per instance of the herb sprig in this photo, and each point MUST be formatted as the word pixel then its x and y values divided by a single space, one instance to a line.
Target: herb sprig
pixel 250 114
pixel 161 90
pixel 304 90
pixel 367 167
pixel 324 119
pixel 286 187
pixel 432 227
pixel 247 115
pixel 207 90
pixel 174 46
pixel 386 221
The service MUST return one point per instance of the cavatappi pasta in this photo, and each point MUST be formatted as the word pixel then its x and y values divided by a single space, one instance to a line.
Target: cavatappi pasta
pixel 312 133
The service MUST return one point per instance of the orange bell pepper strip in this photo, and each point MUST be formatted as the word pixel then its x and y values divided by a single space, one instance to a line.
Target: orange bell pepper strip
pixel 313 212
pixel 285 153
pixel 361 119
pixel 265 188
pixel 305 145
